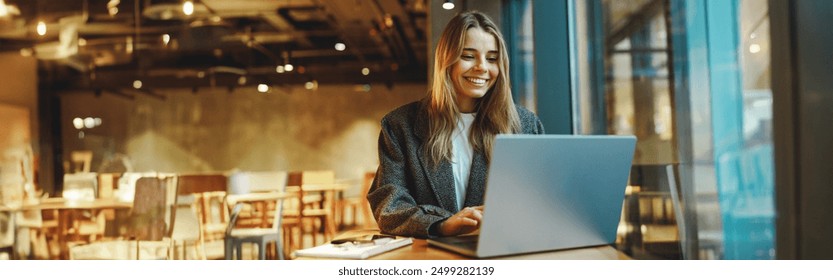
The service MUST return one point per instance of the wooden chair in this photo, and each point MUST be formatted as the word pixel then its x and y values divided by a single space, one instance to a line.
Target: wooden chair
pixel 359 206
pixel 152 215
pixel 255 182
pixel 209 191
pixel 213 215
pixel 87 226
pixel 150 224
pixel 186 228
pixel 263 207
pixel 107 185
pixel 312 208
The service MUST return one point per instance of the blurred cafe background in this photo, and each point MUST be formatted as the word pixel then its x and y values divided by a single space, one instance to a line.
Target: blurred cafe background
pixel 157 129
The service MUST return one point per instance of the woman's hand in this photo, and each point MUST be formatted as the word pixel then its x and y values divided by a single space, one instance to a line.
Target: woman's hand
pixel 465 221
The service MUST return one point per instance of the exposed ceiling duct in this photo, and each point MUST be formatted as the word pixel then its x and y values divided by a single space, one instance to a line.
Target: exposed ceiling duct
pixel 127 39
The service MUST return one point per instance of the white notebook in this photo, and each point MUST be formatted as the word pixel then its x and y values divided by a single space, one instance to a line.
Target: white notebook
pixel 358 252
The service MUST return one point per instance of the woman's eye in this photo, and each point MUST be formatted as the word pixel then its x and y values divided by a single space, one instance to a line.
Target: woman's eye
pixel 491 58
pixel 467 56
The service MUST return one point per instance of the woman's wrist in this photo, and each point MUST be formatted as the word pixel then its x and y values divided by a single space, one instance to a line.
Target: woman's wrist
pixel 436 228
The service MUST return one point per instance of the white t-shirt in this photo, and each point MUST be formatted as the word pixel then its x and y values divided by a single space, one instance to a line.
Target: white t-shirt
pixel 461 156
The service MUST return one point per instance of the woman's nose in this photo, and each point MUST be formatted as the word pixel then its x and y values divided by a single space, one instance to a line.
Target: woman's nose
pixel 480 65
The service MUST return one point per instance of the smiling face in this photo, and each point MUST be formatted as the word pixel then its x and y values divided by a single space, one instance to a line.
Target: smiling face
pixel 476 71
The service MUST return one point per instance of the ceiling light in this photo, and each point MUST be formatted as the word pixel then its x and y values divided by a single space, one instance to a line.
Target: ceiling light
pixel 188 8
pixel 365 71
pixel 128 44
pixel 3 10
pixel 89 122
pixel 26 52
pixel 754 48
pixel 113 11
pixel 166 38
pixel 340 46
pixel 78 123
pixel 137 84
pixel 242 80
pixel 6 10
pixel 287 66
pixel 448 5
pixel 41 28
pixel 279 69
pixel 263 88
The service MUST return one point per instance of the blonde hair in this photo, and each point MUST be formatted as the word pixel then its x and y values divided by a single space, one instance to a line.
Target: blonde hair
pixel 496 113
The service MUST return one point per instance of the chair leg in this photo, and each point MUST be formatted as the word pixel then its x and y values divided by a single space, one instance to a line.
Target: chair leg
pixel 261 250
pixel 172 251
pixel 279 247
pixel 203 254
pixel 227 250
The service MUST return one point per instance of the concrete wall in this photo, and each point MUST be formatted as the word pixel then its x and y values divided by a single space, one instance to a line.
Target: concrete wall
pixel 333 127
pixel 19 87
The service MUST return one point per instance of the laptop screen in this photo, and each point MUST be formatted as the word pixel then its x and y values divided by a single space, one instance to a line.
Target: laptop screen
pixel 550 192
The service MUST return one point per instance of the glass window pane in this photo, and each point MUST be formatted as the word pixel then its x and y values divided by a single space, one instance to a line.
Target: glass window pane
pixel 628 54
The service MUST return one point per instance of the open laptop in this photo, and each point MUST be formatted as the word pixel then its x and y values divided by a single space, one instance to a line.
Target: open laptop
pixel 549 192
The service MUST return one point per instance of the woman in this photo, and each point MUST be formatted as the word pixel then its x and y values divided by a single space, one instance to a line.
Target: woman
pixel 434 153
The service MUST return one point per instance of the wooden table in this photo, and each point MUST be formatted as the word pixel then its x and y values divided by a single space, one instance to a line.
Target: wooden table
pixel 67 209
pixel 420 250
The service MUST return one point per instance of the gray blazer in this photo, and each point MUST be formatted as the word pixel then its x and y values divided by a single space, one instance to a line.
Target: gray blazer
pixel 408 195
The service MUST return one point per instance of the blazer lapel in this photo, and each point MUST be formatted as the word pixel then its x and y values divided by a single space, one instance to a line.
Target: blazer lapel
pixel 440 178
pixel 477 180
pixel 442 182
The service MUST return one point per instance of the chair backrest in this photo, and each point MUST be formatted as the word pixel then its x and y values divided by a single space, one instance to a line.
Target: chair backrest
pixel 127 185
pixel 152 213
pixel 262 207
pixel 257 181
pixel 107 184
pixel 200 183
pixel 81 161
pixel 318 177
pixel 186 224
pixel 213 214
pixel 80 186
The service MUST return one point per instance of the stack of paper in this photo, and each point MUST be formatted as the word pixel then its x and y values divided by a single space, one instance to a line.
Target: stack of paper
pixel 350 251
